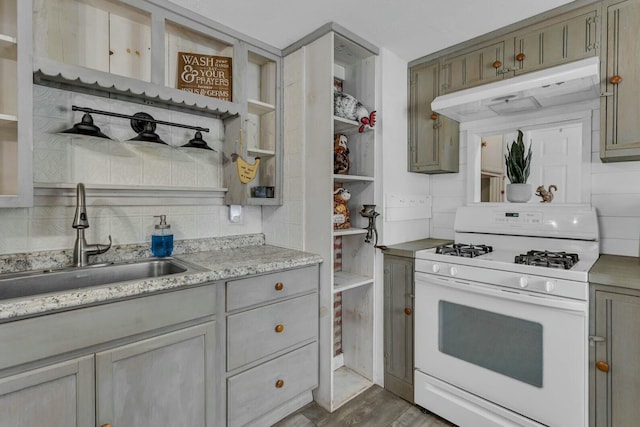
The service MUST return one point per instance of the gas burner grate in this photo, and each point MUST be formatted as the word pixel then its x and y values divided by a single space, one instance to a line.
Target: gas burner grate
pixel 464 250
pixel 548 259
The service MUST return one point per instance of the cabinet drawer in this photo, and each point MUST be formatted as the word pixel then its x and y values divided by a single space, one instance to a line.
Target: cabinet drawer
pixel 259 289
pixel 27 340
pixel 257 391
pixel 254 333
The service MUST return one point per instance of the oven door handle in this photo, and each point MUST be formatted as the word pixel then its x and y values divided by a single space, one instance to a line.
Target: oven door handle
pixel 503 293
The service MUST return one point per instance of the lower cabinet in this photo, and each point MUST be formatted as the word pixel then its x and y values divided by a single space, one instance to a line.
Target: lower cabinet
pixel 272 345
pixel 57 395
pixel 142 362
pixel 165 380
pixel 614 350
pixel 398 325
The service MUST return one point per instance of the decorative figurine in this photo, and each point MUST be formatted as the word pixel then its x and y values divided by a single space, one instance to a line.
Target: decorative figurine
pixel 341 215
pixel 341 161
pixel 347 107
pixel 547 195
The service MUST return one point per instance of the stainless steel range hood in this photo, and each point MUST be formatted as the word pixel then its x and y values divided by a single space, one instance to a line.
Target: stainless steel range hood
pixel 565 84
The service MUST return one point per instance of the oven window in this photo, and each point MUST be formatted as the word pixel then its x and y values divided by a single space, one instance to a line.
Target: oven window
pixel 503 344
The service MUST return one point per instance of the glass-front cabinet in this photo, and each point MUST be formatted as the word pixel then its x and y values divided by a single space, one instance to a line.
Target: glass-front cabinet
pixel 15 104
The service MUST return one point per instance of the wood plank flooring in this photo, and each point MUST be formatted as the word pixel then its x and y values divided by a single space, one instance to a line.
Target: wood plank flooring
pixel 376 407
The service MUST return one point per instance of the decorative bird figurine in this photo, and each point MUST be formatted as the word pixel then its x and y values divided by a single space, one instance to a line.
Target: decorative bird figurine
pixel 348 107
pixel 246 171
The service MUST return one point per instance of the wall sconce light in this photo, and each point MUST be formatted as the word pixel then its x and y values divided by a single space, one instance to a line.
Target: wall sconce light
pixel 142 123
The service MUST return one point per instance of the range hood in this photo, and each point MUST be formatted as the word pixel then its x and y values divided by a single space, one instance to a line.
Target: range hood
pixel 565 84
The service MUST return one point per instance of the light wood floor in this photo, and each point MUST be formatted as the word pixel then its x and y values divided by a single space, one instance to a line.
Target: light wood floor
pixel 376 407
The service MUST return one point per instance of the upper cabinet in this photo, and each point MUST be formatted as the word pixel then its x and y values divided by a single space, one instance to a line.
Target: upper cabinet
pixel 433 138
pixel 620 82
pixel 155 53
pixel 550 40
pixel 16 140
pixel 479 66
pixel 569 39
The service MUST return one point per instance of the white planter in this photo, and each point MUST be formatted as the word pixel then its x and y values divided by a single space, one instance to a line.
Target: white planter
pixel 519 193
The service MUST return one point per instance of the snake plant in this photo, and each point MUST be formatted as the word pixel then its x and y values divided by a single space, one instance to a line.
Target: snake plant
pixel 517 162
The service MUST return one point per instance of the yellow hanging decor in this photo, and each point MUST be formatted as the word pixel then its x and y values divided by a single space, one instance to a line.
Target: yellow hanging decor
pixel 246 171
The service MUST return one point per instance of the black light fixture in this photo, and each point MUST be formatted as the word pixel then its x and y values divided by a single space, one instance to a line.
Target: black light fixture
pixel 142 123
pixel 86 127
pixel 198 142
pixel 148 134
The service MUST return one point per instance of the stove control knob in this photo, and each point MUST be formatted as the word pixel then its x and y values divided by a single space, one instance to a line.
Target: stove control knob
pixel 435 268
pixel 549 286
pixel 523 282
pixel 453 271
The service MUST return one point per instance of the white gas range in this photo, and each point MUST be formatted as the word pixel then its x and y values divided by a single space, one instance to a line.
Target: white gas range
pixel 501 317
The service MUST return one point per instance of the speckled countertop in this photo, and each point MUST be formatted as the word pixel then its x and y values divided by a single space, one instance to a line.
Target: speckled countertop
pixel 215 262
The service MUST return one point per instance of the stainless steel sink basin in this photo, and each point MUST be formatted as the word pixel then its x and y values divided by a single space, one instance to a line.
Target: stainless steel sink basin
pixel 31 283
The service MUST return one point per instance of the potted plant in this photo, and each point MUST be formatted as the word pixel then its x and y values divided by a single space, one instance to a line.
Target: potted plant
pixel 518 165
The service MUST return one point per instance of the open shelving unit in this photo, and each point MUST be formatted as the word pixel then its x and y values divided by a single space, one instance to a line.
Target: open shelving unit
pixel 347 277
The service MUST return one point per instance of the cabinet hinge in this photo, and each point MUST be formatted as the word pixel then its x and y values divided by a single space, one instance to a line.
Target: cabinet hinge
pixel 594 339
pixel 606 94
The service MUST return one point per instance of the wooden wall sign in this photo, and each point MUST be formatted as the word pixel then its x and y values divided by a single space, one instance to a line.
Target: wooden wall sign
pixel 205 75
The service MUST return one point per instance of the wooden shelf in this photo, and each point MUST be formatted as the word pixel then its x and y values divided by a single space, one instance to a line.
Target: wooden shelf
pixel 344 125
pixel 259 152
pixel 8 120
pixel 349 232
pixel 343 281
pixel 347 384
pixel 259 108
pixel 8 47
pixel 352 178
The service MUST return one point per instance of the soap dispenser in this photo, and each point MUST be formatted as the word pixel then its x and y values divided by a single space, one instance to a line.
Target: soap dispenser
pixel 162 238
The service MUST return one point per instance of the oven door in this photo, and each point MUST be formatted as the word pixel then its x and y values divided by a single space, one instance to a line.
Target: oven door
pixel 502 348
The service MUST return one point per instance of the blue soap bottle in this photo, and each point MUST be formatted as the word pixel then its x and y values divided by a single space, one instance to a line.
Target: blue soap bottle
pixel 162 238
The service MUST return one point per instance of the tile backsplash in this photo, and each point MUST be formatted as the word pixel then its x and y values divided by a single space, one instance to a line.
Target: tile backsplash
pixel 66 159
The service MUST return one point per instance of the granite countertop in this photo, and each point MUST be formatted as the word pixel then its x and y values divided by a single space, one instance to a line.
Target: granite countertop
pixel 616 270
pixel 215 264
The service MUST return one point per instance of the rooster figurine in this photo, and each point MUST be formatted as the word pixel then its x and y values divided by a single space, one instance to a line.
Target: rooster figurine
pixel 348 107
pixel 246 170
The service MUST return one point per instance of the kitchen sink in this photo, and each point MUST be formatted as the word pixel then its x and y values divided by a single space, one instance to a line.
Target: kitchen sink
pixel 19 285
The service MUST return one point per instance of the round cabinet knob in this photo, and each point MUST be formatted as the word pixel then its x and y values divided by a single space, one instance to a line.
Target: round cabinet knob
pixel 615 80
pixel 496 64
pixel 279 286
pixel 523 282
pixel 279 383
pixel 453 271
pixel 435 268
pixel 520 57
pixel 279 329
pixel 434 116
pixel 602 366
pixel 106 425
pixel 408 311
pixel 549 286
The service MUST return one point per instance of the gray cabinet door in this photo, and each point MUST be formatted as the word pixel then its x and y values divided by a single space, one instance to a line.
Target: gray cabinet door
pixel 483 65
pixel 617 317
pixel 56 395
pixel 166 380
pixel 433 138
pixel 620 127
pixel 570 39
pixel 398 326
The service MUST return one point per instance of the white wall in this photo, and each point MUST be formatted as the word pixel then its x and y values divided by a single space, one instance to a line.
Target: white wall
pixel 392 116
